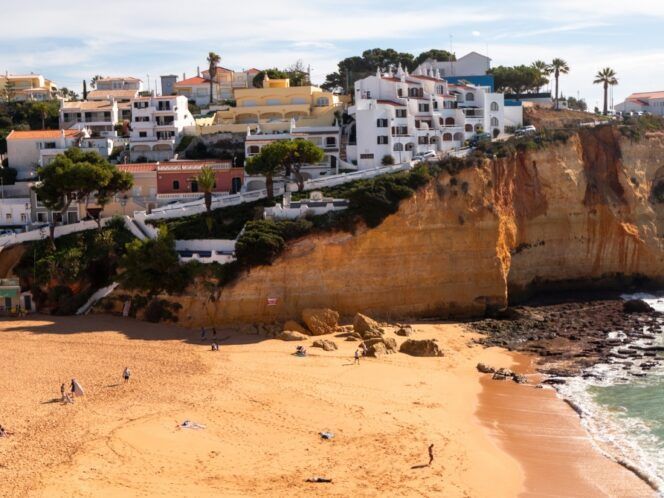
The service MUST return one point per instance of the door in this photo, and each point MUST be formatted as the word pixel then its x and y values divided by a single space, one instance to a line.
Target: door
pixel 236 185
pixel 27 302
pixel 8 303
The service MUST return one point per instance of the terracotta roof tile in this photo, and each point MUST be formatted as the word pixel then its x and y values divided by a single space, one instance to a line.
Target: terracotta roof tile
pixel 196 80
pixel 42 134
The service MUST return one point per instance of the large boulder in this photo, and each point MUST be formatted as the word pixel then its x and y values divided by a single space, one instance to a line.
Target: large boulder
pixel 291 335
pixel 637 306
pixel 320 321
pixel 424 347
pixel 366 326
pixel 293 326
pixel 325 345
pixel 380 345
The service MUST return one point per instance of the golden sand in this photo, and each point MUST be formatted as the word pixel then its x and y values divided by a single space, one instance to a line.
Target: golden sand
pixel 262 409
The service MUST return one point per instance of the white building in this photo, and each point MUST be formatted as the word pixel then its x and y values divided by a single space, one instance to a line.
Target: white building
pixel 401 115
pixel 156 126
pixel 472 64
pixel 100 116
pixel 650 102
pixel 15 212
pixel 27 150
pixel 119 83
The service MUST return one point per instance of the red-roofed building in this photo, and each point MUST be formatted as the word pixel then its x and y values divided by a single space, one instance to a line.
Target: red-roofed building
pixel 651 102
pixel 27 150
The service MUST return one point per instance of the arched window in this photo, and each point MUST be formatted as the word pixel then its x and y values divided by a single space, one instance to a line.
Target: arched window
pixel 447 137
pixel 494 106
pixel 399 92
pixel 412 92
pixel 470 97
pixel 176 185
pixel 420 92
pixel 254 149
pixel 433 140
pixel 458 136
pixel 494 122
pixel 398 147
pixel 449 122
pixel 469 128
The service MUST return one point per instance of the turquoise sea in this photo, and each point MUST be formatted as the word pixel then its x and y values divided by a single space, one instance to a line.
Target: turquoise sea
pixel 625 413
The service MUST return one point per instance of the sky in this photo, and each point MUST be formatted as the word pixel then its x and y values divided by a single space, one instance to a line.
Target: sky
pixel 74 40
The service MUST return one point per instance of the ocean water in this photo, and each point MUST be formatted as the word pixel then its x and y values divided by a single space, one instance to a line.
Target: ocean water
pixel 625 413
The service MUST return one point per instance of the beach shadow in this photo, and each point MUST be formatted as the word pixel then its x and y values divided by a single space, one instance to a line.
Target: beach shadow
pixel 422 466
pixel 51 401
pixel 113 385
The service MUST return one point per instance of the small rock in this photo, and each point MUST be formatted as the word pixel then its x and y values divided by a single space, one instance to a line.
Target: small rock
pixel 637 306
pixel 291 335
pixel 405 331
pixel 325 345
pixel 481 367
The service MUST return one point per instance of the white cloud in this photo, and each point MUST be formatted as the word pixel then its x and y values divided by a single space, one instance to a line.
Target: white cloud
pixel 476 33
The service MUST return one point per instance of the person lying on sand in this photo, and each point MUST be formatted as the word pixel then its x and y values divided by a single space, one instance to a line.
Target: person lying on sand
pixel 68 399
pixel 430 454
pixel 62 391
pixel 4 432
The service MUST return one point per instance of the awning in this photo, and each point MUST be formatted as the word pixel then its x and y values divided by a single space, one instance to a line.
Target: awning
pixel 11 292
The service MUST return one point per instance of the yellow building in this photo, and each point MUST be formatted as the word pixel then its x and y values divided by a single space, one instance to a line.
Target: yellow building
pixel 28 87
pixel 274 106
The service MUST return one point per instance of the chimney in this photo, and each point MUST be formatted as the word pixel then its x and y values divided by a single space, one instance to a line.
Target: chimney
pixel 198 70
pixel 184 76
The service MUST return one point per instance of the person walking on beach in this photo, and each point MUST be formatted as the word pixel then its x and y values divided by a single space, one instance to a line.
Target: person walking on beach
pixel 357 357
pixel 126 374
pixel 430 454
pixel 62 391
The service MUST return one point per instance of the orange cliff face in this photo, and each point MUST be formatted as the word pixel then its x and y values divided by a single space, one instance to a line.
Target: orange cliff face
pixel 574 212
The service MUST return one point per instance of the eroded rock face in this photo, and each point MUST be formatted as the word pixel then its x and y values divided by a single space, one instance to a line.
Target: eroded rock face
pixel 424 347
pixel 380 346
pixel 568 214
pixel 320 321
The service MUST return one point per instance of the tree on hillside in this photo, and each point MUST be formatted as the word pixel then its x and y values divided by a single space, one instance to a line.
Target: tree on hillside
pixel 67 94
pixel 606 77
pixel 577 104
pixel 298 74
pixel 352 69
pixel 434 54
pixel 516 79
pixel 301 152
pixel 269 162
pixel 558 67
pixel 272 73
pixel 9 91
pixel 85 90
pixel 72 176
pixel 544 70
pixel 213 60
pixel 94 79
pixel 42 109
pixel 206 181
pixel 119 181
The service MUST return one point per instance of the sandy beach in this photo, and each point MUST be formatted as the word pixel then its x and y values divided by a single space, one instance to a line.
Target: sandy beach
pixel 263 409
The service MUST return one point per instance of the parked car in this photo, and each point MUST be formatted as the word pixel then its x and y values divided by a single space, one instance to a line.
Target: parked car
pixel 478 138
pixel 425 156
pixel 525 130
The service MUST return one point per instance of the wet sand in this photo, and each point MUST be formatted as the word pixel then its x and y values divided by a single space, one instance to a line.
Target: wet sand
pixel 545 435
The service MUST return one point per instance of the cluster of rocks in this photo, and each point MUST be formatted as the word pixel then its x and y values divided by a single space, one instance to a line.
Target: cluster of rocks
pixel 570 337
pixel 370 333
pixel 502 373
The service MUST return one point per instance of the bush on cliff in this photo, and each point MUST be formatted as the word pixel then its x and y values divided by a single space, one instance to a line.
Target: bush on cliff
pixel 262 241
pixel 636 127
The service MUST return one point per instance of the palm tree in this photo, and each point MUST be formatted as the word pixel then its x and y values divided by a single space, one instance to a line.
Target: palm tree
pixel 606 77
pixel 206 181
pixel 558 67
pixel 94 79
pixel 544 70
pixel 213 59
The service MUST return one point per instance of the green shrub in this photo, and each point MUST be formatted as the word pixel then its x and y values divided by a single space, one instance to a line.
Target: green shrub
pixel 262 241
pixel 387 160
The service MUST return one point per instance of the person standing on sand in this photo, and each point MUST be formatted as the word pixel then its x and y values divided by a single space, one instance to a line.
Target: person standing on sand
pixel 126 374
pixel 62 391
pixel 73 386
pixel 357 357
pixel 430 454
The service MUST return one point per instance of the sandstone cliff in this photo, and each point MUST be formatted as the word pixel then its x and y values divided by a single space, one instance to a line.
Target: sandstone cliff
pixel 572 214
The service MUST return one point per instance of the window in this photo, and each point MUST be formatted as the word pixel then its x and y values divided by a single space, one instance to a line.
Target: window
pixel 440 89
pixel 494 122
pixel 381 123
pixel 143 134
pixel 254 149
pixel 322 101
pixel 366 156
pixel 88 115
pixel 470 97
pixel 41 217
pixel 469 128
pixel 24 217
pixel 142 119
pixel 8 217
pixel 422 140
pixel 194 186
pixel 249 103
pixel 447 137
pixel 458 136
pixel 330 141
pixel 273 102
pixel 176 185
pixel 494 106
pixel 48 145
pixel 398 147
pixel 382 139
pixel 449 122
pixel 399 92
pixel 401 113
pixel 423 107
pixel 107 115
pixel 140 105
pixel 400 131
